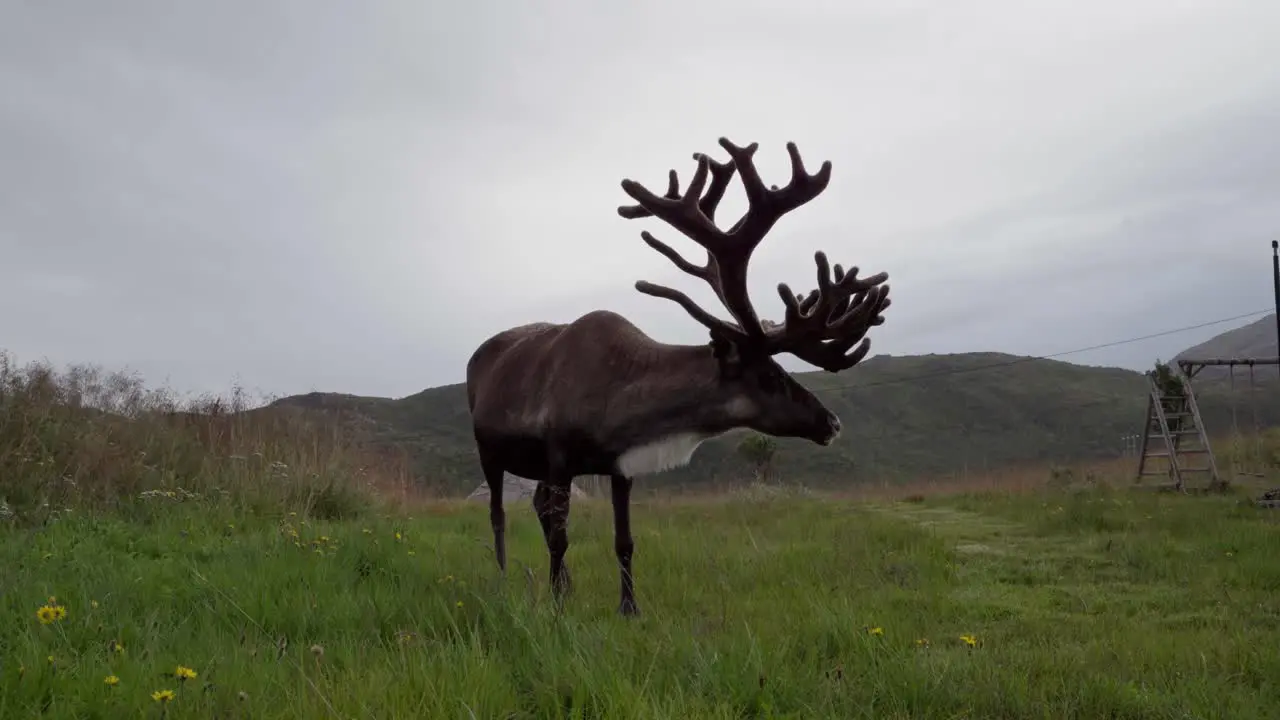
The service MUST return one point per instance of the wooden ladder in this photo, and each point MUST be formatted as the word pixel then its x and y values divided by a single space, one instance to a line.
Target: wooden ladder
pixel 1175 418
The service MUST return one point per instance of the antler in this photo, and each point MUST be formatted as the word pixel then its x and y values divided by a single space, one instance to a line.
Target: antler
pixel 731 250
pixel 721 175
pixel 819 328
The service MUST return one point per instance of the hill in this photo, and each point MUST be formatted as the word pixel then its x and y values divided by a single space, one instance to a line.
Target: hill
pixel 1255 340
pixel 903 416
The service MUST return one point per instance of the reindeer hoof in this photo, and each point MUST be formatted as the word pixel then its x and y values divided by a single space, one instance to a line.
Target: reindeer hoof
pixel 562 585
pixel 628 608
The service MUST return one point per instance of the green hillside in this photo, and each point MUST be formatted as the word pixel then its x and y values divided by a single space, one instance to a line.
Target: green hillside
pixel 1255 340
pixel 904 417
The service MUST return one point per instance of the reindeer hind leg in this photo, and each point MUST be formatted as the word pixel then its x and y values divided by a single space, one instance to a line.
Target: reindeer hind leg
pixel 493 471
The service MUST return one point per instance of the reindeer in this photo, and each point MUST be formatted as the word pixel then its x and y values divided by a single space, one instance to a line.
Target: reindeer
pixel 597 396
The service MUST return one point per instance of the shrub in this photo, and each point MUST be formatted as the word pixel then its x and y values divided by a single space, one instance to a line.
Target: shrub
pixel 85 438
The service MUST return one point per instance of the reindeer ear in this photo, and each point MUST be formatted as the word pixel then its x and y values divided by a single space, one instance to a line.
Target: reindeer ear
pixel 723 349
pixel 727 352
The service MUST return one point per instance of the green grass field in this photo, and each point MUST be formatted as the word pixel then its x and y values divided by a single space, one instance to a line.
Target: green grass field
pixel 1090 604
pixel 263 555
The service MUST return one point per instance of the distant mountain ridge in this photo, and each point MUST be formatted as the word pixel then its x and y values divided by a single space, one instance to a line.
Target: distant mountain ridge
pixel 1256 340
pixel 903 417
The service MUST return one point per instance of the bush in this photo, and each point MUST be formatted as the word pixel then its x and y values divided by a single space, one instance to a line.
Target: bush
pixel 83 438
pixel 760 451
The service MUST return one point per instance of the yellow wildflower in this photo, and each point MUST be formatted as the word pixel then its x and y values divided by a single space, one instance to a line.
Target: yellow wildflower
pixel 162 696
pixel 46 614
pixel 117 647
pixel 876 630
pixel 184 673
pixel 111 680
pixel 459 603
pixel 922 642
pixel 969 640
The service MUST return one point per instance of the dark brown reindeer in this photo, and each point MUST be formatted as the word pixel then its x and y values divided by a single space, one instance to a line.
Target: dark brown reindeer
pixel 597 396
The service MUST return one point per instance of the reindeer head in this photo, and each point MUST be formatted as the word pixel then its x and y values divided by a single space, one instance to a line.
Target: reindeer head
pixel 820 328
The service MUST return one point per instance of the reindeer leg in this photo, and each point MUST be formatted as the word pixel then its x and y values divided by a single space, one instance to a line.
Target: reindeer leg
pixel 623 544
pixel 493 473
pixel 552 503
pixel 542 507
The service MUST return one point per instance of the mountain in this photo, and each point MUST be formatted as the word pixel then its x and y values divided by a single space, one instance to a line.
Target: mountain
pixel 1255 340
pixel 903 417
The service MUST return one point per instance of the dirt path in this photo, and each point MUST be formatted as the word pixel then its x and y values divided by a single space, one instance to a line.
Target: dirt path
pixel 970 532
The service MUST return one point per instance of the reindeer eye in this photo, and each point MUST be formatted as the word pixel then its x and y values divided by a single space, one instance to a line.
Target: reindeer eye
pixel 771 380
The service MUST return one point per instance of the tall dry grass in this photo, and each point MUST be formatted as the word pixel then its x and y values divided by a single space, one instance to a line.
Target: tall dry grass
pixel 84 438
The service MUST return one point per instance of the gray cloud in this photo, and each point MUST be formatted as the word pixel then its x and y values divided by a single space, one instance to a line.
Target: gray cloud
pixel 309 197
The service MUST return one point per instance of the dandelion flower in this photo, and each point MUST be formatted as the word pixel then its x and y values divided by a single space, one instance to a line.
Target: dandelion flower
pixel 46 615
pixel 162 696
pixel 459 603
pixel 184 673
pixel 59 612
pixel 399 536
pixel 117 647
pixel 111 680
pixel 876 630
pixel 969 640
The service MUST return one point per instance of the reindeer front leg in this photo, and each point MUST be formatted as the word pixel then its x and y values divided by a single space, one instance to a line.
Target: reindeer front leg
pixel 623 544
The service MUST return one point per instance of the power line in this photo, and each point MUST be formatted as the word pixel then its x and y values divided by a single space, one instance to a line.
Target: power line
pixel 1017 361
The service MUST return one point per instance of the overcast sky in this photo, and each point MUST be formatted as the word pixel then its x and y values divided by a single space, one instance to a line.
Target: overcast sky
pixel 351 196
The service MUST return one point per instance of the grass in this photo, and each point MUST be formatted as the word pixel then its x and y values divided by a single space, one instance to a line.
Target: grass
pixel 84 438
pixel 1087 604
pixel 260 554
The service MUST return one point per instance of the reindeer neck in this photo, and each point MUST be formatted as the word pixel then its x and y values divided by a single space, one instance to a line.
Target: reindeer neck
pixel 674 389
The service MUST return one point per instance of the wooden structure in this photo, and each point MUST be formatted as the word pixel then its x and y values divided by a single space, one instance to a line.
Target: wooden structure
pixel 1174 419
pixel 1190 368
